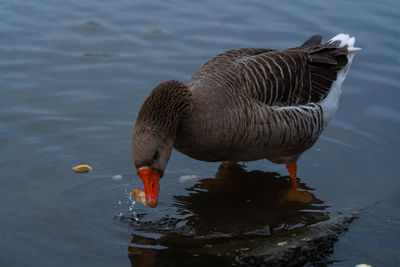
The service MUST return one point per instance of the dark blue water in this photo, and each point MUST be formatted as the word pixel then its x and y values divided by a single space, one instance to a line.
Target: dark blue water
pixel 72 77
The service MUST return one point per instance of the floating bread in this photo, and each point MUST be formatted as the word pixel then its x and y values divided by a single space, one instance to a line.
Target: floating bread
pixel 139 195
pixel 82 168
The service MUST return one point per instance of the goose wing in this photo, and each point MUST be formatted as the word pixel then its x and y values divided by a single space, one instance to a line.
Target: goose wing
pixel 295 76
pixel 290 77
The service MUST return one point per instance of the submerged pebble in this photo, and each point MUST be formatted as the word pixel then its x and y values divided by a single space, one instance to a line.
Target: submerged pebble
pixel 117 177
pixel 187 177
pixel 82 168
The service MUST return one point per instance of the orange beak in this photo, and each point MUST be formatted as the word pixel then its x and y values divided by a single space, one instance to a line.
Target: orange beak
pixel 151 183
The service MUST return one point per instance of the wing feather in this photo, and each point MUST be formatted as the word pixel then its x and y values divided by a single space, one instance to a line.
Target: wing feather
pixel 290 77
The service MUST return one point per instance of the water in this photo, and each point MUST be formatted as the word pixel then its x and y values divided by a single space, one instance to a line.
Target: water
pixel 72 77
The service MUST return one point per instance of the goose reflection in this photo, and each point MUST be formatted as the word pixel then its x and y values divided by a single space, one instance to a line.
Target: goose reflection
pixel 219 213
pixel 236 202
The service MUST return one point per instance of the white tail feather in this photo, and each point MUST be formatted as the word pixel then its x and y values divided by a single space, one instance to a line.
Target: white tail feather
pixel 331 102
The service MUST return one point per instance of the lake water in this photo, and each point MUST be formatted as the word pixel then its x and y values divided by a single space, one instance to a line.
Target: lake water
pixel 73 75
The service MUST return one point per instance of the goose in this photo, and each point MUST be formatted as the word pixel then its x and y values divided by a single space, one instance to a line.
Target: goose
pixel 244 104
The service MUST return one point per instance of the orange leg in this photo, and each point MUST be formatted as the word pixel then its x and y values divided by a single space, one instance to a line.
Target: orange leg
pixel 292 168
pixel 294 192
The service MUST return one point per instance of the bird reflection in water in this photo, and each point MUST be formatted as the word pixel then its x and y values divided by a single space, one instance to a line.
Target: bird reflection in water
pixel 236 209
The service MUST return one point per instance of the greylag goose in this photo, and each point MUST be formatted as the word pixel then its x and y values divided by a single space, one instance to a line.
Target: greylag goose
pixel 242 105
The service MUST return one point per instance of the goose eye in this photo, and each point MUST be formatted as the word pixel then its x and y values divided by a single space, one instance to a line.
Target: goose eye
pixel 155 157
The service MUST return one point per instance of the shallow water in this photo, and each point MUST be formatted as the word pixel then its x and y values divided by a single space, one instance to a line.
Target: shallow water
pixel 72 77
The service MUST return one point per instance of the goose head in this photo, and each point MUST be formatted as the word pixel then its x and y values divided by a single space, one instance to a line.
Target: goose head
pixel 154 134
pixel 150 153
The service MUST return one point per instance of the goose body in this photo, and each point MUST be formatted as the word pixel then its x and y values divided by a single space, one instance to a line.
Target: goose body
pixel 243 105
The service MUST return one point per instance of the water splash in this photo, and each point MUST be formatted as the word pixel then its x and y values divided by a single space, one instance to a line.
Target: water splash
pixel 130 203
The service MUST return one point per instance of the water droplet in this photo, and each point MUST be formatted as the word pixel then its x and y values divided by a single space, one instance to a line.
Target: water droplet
pixel 135 217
